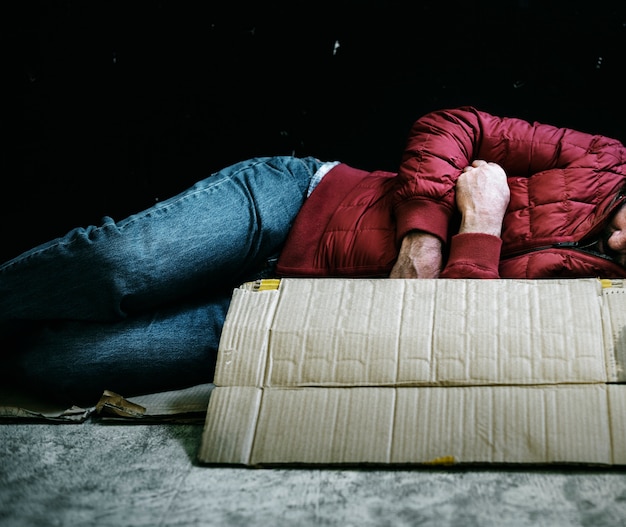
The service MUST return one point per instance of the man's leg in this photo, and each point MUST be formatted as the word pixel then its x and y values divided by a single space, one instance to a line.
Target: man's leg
pixel 75 361
pixel 208 238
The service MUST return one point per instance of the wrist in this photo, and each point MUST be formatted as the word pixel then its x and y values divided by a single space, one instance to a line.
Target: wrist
pixel 480 224
pixel 421 240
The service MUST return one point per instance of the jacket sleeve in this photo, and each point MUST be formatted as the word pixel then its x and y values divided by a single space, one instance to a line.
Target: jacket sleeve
pixel 473 255
pixel 439 146
pixel 442 143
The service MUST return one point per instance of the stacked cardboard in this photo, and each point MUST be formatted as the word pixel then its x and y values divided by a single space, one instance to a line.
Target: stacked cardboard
pixel 357 371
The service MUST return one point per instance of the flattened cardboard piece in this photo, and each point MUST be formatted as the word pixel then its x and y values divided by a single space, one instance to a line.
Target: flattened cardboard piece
pixel 184 405
pixel 114 404
pixel 178 406
pixel 425 425
pixel 360 332
pixel 420 372
pixel 18 405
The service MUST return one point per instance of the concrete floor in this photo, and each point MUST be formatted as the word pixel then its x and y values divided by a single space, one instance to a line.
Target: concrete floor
pixel 103 474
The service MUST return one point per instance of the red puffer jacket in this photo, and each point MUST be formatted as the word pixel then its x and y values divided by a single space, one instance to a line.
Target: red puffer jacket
pixel 564 185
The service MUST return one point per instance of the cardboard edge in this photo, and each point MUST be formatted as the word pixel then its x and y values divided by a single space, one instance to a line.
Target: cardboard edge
pixel 614 326
pixel 230 425
pixel 242 355
pixel 616 394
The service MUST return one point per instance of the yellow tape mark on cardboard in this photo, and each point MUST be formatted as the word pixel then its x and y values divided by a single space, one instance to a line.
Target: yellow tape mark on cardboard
pixel 443 460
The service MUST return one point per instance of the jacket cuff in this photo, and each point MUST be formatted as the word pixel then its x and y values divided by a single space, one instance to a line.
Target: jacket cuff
pixel 421 215
pixel 473 255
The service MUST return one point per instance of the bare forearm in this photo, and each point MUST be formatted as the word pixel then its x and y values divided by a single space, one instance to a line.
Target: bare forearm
pixel 419 256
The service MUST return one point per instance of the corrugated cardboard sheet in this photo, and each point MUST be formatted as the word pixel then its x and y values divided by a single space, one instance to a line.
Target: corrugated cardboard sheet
pixel 178 406
pixel 354 371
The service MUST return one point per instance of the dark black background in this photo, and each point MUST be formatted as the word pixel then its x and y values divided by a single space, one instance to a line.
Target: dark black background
pixel 127 102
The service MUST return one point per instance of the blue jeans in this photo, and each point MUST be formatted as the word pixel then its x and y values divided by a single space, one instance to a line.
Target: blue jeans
pixel 138 305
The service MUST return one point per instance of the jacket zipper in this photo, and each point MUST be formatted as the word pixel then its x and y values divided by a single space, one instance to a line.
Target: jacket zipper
pixel 576 246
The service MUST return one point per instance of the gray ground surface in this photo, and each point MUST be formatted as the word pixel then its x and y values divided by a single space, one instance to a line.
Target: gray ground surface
pixel 122 475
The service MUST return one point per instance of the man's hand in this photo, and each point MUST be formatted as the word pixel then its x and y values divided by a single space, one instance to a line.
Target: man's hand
pixel 419 257
pixel 482 196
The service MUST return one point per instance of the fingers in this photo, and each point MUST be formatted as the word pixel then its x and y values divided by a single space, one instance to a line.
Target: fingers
pixel 480 173
pixel 475 164
pixel 484 171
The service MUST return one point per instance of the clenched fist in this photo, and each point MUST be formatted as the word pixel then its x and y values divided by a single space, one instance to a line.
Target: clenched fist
pixel 482 196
